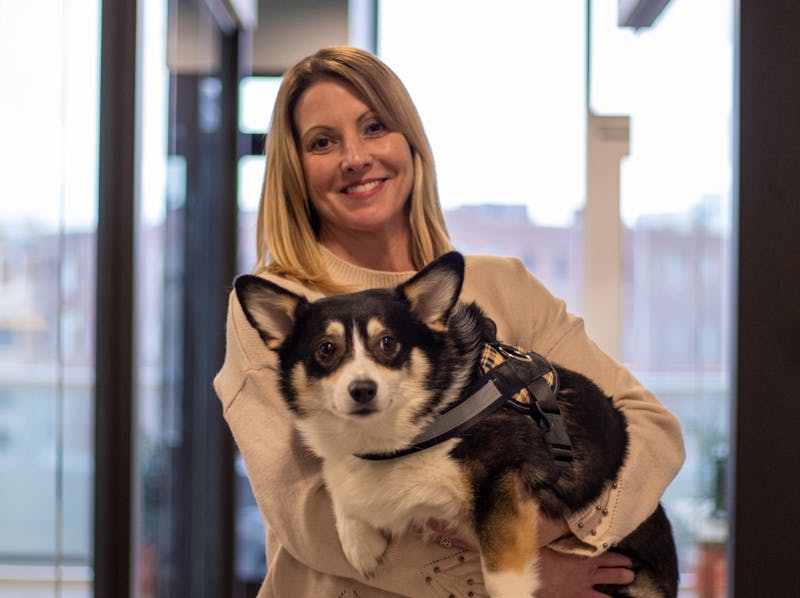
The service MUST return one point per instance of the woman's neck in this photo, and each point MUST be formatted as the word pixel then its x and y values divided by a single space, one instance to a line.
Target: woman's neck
pixel 374 253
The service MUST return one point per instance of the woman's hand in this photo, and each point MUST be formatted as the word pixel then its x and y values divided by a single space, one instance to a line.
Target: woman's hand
pixel 568 575
pixel 561 575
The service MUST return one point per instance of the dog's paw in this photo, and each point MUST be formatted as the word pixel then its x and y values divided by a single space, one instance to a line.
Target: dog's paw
pixel 363 545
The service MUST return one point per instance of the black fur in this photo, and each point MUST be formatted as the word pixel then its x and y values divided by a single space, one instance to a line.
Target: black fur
pixel 509 440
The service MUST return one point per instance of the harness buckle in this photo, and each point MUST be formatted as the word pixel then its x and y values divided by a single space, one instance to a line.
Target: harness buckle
pixel 513 352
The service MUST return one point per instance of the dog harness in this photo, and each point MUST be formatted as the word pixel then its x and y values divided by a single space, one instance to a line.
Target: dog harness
pixel 523 381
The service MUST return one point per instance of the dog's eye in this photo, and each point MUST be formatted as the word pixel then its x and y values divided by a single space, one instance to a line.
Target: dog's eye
pixel 389 345
pixel 326 353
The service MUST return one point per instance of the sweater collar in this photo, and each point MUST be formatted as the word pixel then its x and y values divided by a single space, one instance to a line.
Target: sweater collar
pixel 360 278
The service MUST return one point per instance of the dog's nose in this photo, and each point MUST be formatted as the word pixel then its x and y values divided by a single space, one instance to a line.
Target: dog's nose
pixel 362 391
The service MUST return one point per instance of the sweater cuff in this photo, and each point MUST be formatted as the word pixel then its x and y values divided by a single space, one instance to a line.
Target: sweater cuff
pixel 592 530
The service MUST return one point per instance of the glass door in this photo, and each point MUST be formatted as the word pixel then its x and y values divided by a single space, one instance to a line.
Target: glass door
pixel 186 247
pixel 49 68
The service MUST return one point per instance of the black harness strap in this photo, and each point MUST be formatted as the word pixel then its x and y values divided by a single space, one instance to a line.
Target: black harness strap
pixel 544 409
pixel 513 378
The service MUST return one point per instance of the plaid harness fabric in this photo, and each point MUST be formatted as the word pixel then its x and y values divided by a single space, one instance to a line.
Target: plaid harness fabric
pixel 536 396
pixel 492 356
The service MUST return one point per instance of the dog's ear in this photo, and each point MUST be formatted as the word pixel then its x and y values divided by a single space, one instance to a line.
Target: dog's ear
pixel 434 290
pixel 269 308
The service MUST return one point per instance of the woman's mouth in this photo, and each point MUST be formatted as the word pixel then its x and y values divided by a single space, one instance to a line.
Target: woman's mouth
pixel 363 187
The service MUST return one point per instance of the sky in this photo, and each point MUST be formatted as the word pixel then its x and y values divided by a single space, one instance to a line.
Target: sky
pixel 500 86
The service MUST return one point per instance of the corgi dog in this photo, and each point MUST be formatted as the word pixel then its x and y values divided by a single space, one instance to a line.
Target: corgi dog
pixel 368 375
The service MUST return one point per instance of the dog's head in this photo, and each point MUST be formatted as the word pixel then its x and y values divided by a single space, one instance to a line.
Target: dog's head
pixel 366 371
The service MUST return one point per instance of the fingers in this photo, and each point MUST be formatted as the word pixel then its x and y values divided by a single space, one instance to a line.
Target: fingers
pixel 612 568
pixel 612 576
pixel 576 576
pixel 612 559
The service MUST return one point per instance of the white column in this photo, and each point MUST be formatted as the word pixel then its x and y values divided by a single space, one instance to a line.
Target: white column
pixel 607 143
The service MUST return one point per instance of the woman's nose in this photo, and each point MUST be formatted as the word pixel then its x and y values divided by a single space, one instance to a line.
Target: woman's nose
pixel 356 156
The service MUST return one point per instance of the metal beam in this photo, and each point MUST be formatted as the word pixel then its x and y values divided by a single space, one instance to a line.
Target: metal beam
pixel 114 323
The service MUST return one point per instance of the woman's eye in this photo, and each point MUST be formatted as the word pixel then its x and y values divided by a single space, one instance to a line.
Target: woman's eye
pixel 320 144
pixel 374 127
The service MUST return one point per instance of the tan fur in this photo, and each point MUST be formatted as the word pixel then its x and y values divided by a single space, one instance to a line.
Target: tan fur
pixel 509 538
pixel 335 329
pixel 305 397
pixel 375 327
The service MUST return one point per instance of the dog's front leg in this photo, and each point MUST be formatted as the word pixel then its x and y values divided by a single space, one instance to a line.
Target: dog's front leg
pixel 363 544
pixel 508 535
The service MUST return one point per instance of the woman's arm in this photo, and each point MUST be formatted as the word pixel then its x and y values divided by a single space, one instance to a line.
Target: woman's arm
pixel 655 445
pixel 527 314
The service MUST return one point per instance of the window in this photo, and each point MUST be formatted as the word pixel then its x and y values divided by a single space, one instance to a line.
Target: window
pixel 502 99
pixel 49 119
pixel 504 102
pixel 675 82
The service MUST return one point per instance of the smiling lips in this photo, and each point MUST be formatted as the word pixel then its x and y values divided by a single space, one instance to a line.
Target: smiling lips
pixel 363 188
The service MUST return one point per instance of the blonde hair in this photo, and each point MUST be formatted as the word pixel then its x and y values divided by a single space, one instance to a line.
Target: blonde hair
pixel 287 228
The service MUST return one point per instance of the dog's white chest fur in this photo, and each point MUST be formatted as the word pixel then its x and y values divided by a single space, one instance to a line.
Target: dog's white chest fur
pixel 374 500
pixel 396 493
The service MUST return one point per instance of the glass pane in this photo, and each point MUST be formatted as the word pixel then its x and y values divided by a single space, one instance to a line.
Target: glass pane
pixel 256 98
pixel 159 183
pixel 675 82
pixel 179 125
pixel 48 196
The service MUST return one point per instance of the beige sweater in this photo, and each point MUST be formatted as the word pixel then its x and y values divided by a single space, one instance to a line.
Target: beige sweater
pixel 304 556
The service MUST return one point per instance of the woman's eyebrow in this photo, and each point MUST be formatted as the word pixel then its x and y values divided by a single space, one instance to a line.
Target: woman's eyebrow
pixel 314 129
pixel 367 115
pixel 323 128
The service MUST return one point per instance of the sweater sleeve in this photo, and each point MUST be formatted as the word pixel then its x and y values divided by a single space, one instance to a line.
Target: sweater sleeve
pixel 286 478
pixel 655 453
pixel 528 315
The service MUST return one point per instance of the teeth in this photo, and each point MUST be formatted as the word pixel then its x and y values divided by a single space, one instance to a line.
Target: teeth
pixel 362 188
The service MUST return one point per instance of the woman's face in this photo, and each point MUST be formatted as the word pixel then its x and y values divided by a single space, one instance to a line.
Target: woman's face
pixel 358 173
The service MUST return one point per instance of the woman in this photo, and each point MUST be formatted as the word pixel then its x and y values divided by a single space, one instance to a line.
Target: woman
pixel 350 202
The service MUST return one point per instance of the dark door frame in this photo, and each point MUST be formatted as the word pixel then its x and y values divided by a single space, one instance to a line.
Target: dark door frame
pixel 766 489
pixel 203 551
